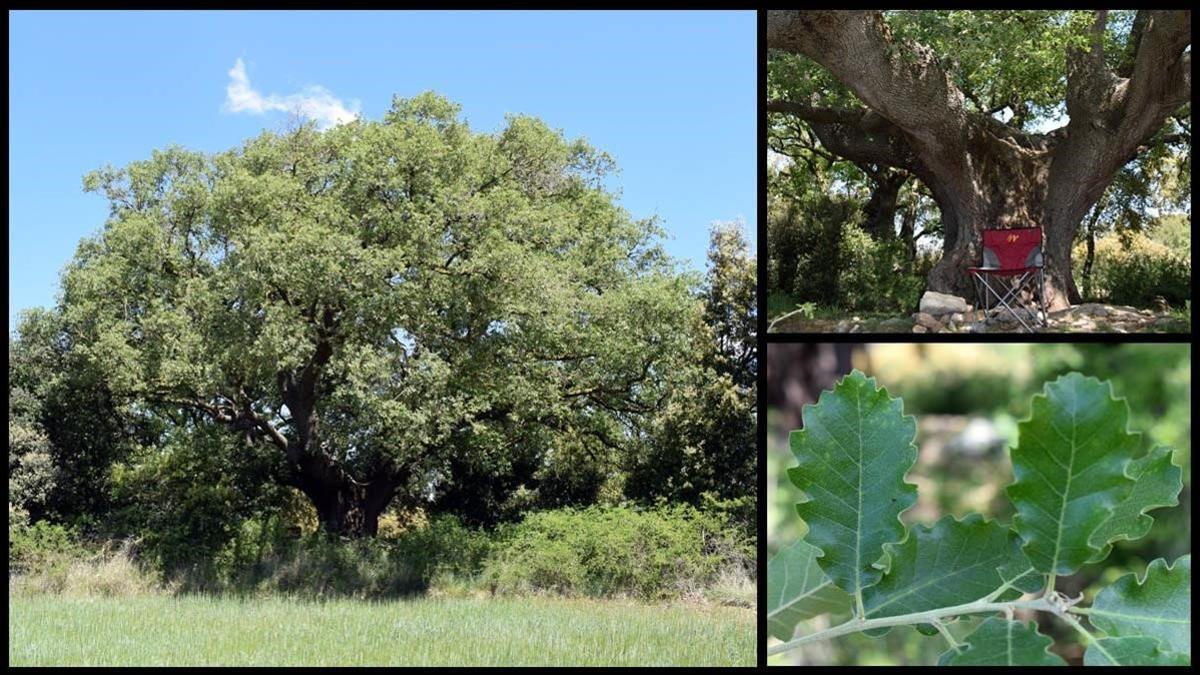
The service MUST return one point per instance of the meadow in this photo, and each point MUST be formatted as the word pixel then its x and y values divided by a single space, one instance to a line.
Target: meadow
pixel 194 630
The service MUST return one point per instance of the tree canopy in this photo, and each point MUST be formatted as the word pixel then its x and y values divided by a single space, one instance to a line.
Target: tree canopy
pixel 382 301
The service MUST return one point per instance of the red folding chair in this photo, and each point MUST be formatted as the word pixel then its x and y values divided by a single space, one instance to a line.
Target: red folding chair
pixel 1012 262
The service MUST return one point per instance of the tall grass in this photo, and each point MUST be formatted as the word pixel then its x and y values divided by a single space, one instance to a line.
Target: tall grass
pixel 201 630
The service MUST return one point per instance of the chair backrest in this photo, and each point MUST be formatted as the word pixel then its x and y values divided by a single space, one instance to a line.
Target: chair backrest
pixel 1012 249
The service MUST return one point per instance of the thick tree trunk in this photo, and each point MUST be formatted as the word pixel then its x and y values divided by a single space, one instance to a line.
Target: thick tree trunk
pixel 1005 185
pixel 346 508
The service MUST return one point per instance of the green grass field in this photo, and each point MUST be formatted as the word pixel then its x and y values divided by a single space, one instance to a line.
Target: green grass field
pixel 196 630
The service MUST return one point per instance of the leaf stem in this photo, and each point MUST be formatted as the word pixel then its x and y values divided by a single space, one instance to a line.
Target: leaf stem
pixel 856 625
pixel 1089 640
pixel 937 623
pixel 1007 585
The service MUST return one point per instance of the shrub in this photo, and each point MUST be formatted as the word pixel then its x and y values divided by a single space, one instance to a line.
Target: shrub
pixel 40 546
pixel 1136 272
pixel 615 551
pixel 50 558
pixel 264 558
pixel 873 275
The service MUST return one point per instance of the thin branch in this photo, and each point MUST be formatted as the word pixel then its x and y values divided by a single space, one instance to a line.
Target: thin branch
pixel 857 626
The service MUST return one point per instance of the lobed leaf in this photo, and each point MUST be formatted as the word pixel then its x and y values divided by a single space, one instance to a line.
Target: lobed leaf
pixel 1159 606
pixel 1069 465
pixel 1131 651
pixel 952 563
pixel 1158 483
pixel 854 449
pixel 1000 642
pixel 797 590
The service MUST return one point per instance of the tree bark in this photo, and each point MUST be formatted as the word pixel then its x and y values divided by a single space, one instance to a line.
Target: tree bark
pixel 880 210
pixel 983 173
pixel 346 508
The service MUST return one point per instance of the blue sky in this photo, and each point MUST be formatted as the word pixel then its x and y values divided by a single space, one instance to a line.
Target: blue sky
pixel 670 95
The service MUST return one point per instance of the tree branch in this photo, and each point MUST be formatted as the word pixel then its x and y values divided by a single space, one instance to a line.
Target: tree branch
pixel 912 91
pixel 858 625
pixel 864 119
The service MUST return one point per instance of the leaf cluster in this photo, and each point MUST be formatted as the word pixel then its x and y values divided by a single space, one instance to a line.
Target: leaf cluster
pixel 1081 484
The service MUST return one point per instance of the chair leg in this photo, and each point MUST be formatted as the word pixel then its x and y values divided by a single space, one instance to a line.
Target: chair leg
pixel 1042 297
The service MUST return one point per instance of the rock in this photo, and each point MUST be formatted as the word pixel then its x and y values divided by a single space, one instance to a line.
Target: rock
pixel 923 319
pixel 957 317
pixel 843 326
pixel 920 329
pixel 895 324
pixel 942 303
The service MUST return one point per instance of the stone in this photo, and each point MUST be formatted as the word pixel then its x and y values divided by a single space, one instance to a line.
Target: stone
pixel 923 319
pixel 957 317
pixel 942 303
pixel 896 324
pixel 920 329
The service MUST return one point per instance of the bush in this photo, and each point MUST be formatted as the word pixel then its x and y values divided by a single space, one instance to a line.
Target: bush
pixel 816 252
pixel 263 558
pixel 873 275
pixel 40 546
pixel 616 551
pixel 1136 272
pixel 49 558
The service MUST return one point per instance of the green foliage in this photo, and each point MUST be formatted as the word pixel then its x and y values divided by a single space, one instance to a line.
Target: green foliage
pixel 860 436
pixel 1131 651
pixel 41 546
pixel 1140 271
pixel 450 294
pixel 966 44
pixel 65 429
pixel 1070 473
pixel 816 252
pixel 799 589
pixel 189 498
pixel 615 551
pixel 700 446
pixel 999 642
pixel 264 559
pixel 1158 605
pixel 1079 486
pixel 978 554
pixel 1157 484
pixel 877 275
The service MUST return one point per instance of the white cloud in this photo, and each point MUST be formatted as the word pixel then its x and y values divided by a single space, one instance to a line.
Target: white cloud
pixel 315 102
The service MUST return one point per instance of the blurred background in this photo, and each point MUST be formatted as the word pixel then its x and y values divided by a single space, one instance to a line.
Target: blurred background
pixel 967 399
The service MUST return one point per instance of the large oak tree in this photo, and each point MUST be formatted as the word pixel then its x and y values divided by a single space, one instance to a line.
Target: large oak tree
pixel 899 102
pixel 377 300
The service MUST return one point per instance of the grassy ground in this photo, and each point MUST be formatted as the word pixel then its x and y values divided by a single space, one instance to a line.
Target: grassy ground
pixel 196 630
